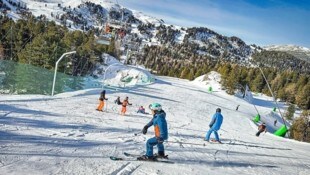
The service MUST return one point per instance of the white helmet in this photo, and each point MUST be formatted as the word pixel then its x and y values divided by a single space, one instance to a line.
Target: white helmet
pixel 155 107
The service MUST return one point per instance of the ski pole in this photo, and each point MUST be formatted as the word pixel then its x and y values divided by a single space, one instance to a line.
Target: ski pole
pixel 188 143
pixel 106 106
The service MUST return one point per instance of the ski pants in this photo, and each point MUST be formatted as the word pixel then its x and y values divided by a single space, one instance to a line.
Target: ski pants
pixel 123 110
pixel 258 133
pixel 215 133
pixel 152 142
pixel 101 104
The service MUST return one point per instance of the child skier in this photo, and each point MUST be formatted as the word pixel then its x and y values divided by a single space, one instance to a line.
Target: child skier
pixel 161 133
pixel 215 125
pixel 141 110
pixel 101 101
pixel 124 104
pixel 118 101
pixel 261 128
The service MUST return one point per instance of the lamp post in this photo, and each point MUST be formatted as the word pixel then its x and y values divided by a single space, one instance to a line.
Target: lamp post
pixel 56 67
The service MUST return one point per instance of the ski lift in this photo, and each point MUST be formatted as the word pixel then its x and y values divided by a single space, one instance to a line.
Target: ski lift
pixel 104 39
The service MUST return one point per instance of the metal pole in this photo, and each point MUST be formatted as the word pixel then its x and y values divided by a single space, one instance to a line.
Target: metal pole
pixel 274 99
pixel 11 42
pixel 56 66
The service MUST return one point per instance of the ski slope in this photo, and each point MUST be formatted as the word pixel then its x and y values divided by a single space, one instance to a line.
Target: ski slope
pixel 64 134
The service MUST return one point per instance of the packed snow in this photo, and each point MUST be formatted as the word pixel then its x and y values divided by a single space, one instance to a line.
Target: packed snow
pixel 64 134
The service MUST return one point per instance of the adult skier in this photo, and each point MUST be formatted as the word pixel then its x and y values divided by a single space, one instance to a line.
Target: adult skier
pixel 101 101
pixel 261 128
pixel 124 105
pixel 237 107
pixel 215 125
pixel 275 122
pixel 161 133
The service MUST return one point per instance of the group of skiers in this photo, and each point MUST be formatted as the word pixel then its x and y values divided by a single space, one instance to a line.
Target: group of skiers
pixel 160 127
pixel 124 104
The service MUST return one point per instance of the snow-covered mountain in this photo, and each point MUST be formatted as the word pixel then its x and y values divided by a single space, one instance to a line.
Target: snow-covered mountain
pixel 297 51
pixel 137 34
pixel 140 29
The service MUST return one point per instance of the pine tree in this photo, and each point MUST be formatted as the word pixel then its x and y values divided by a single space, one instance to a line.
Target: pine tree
pixel 184 73
pixel 290 91
pixel 191 74
pixel 290 112
pixel 1 52
pixel 303 97
pixel 300 129
pixel 258 83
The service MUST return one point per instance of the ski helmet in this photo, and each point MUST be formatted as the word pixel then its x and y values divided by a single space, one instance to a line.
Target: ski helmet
pixel 218 110
pixel 155 107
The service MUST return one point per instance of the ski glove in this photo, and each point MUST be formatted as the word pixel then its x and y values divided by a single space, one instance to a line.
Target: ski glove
pixel 210 126
pixel 144 130
pixel 160 140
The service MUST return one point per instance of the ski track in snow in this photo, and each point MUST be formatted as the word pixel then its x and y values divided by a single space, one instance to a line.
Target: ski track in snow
pixel 66 135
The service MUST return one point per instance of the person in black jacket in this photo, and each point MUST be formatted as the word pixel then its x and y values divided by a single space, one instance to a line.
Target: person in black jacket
pixel 118 101
pixel 101 101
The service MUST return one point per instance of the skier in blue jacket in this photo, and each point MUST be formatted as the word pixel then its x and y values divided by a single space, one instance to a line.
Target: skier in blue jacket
pixel 161 133
pixel 215 125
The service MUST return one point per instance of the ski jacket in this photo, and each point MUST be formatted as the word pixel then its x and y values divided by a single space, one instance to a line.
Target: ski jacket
pixel 141 110
pixel 216 121
pixel 262 127
pixel 160 125
pixel 102 96
pixel 125 103
pixel 118 101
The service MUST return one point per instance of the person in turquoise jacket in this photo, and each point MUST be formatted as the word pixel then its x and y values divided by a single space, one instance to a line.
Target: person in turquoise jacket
pixel 161 133
pixel 215 125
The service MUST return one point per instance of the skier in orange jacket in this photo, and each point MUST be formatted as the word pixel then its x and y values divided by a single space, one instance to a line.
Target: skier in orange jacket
pixel 125 103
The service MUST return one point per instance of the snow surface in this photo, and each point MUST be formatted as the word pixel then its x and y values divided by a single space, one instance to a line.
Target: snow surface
pixel 64 134
pixel 116 74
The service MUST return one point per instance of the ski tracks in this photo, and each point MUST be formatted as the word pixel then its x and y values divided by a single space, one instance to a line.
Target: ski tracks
pixel 126 169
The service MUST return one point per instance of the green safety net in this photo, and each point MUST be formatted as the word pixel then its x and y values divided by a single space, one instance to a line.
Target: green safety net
pixel 274 109
pixel 256 118
pixel 281 131
pixel 27 79
pixel 146 79
pixel 126 79
pixel 210 89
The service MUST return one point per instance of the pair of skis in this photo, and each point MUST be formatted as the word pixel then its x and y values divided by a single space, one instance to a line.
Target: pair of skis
pixel 134 157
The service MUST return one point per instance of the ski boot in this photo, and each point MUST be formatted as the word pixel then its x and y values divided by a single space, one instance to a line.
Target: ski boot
pixel 216 141
pixel 161 155
pixel 147 158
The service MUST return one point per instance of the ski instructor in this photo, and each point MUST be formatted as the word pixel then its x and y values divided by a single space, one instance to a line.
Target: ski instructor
pixel 215 125
pixel 161 133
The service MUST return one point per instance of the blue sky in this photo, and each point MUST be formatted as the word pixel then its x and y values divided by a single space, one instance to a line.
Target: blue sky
pixel 261 22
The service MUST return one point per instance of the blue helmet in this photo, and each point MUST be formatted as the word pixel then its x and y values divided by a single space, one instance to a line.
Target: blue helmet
pixel 155 107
